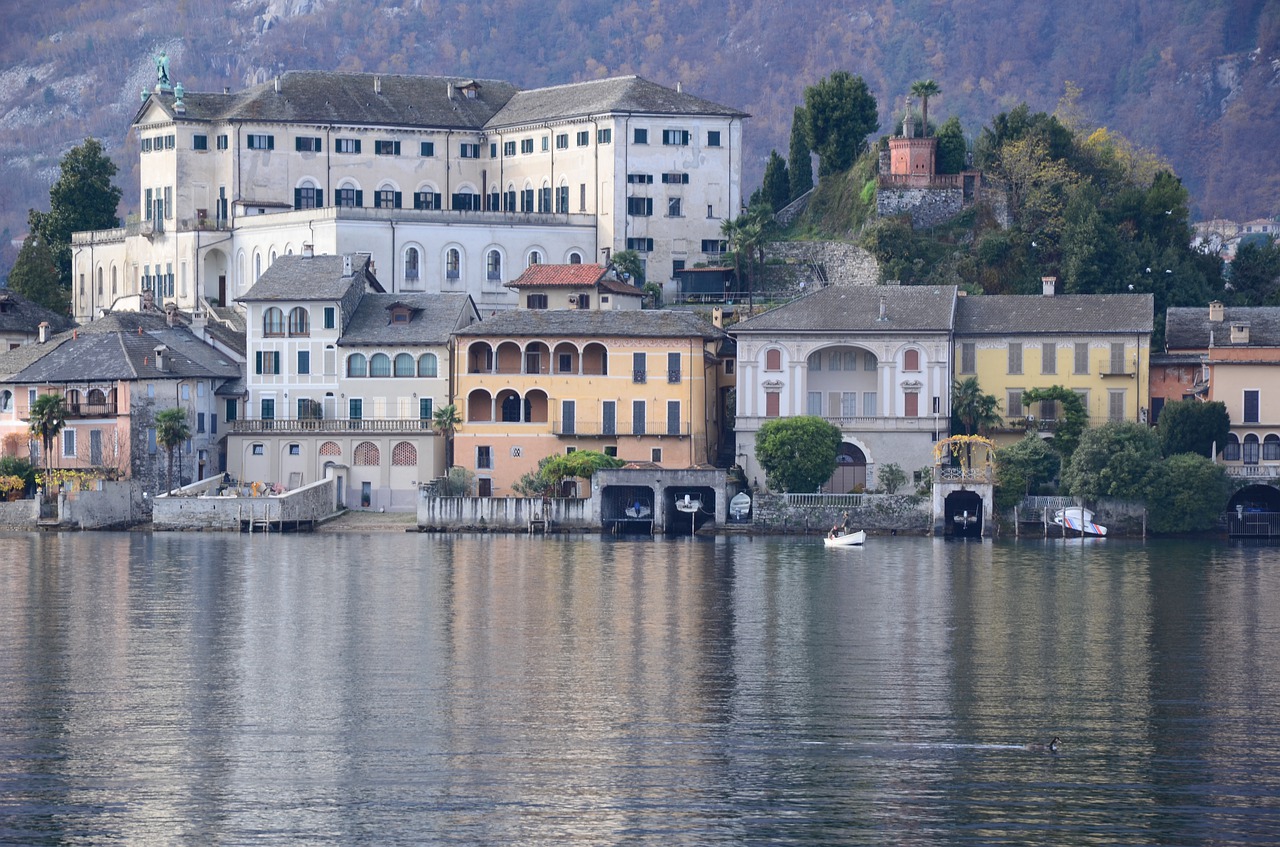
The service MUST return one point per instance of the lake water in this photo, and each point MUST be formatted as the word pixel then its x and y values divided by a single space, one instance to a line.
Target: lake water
pixel 422 689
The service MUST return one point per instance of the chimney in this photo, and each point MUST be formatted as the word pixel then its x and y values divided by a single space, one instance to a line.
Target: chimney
pixel 162 364
pixel 199 320
pixel 44 331
pixel 1240 332
pixel 679 87
pixel 277 85
pixel 884 309
pixel 171 314
pixel 377 85
pixel 308 251
pixel 346 264
pixel 449 92
pixel 1047 284
pixel 226 89
pixel 717 317
pixel 1215 311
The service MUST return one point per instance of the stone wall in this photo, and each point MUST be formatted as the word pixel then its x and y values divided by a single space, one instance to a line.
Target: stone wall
pixel 879 513
pixel 113 505
pixel 19 515
pixel 505 514
pixel 301 506
pixel 926 206
pixel 791 262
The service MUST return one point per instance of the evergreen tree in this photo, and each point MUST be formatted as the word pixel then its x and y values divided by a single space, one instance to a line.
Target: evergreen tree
pixel 840 113
pixel 799 166
pixel 35 276
pixel 83 198
pixel 777 182
pixel 951 147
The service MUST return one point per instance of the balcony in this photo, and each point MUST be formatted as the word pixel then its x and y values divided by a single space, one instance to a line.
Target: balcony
pixel 1253 473
pixel 621 429
pixel 335 425
pixel 940 424
pixel 91 410
pixel 980 475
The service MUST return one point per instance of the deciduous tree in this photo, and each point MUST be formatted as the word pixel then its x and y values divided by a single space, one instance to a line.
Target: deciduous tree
pixel 797 454
pixel 1117 459
pixel 1187 494
pixel 1023 467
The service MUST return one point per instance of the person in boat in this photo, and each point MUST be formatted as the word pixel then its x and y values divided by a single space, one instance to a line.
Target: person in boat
pixel 847 526
pixel 1051 747
pixel 835 532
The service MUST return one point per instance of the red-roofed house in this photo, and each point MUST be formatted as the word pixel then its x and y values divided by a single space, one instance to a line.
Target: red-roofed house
pixel 589 287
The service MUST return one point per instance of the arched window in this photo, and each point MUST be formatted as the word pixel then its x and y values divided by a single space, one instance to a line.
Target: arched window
pixel 273 321
pixel 1231 450
pixel 575 258
pixel 911 360
pixel 379 365
pixel 494 265
pixel 299 321
pixel 773 359
pixel 453 264
pixel 366 453
pixel 1251 451
pixel 411 264
pixel 535 258
pixel 404 455
pixel 257 266
pixel 357 365
pixel 404 364
pixel 330 448
pixel 97 398
pixel 100 279
pixel 1271 448
pixel 427 364
pixel 113 281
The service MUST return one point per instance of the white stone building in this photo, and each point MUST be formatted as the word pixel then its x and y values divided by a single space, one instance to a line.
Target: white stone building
pixel 451 185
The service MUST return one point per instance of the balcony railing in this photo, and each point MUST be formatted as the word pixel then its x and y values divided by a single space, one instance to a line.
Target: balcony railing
pixel 294 425
pixel 1253 471
pixel 941 424
pixel 91 410
pixel 942 473
pixel 601 429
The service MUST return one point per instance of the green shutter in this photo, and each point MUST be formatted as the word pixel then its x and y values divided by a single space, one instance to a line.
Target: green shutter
pixel 297 144
pixel 319 198
pixel 297 198
pixel 359 199
pixel 357 149
pixel 271 142
pixel 257 357
pixel 398 195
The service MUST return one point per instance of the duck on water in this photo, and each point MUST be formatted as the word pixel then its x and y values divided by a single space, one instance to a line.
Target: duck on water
pixel 1051 747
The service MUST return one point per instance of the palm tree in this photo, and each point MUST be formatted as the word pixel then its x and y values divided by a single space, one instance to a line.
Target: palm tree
pixel 975 411
pixel 446 421
pixel 924 89
pixel 172 430
pixel 732 232
pixel 48 417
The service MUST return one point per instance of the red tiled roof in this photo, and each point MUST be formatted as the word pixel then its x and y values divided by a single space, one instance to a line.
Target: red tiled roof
pixel 559 276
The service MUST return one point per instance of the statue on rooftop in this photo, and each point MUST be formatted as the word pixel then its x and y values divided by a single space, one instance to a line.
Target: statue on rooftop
pixel 162 69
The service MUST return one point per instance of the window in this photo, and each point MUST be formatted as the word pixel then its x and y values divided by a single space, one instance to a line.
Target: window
pixel 493 265
pixel 484 457
pixel 640 136
pixel 1013 402
pixel 427 364
pixel 268 408
pixel 536 301
pixel 310 410
pixel 469 151
pixel 638 367
pixel 299 321
pixel 330 317
pixel 713 138
pixel 673 417
pixel 426 200
pixel 1081 357
pixel 200 426
pixel 405 366
pixel 424 409
pixel 968 358
pixel 1048 357
pixel 229 410
pixel 1015 357
pixel 912 405
pixel 712 245
pixel 1117 357
pixel 69 442
pixel 1115 405
pixel 848 404
pixel 223 142
pixel 1250 453
pixel 1231 450
pixel 562 141
pixel 267 362
pixel 1271 448
pixel 673 367
pixel 642 245
pixel 535 258
pixel 307 144
pixel 773 359
pixel 262 142
pixel 675 179
pixel 379 365
pixel 526 146
pixel 910 361
pixel 604 136
pixel 583 138
pixel 674 208
pixel 640 179
pixel 638 417
pixel 357 365
pixel 386 198
pixel 346 145
pixel 772 402
pixel 386 148
pixel 259 449
pixel 562 199
pixel 308 197
pixel 411 263
pixel 350 198
pixel 273 321
pixel 199 142
pixel 1251 403
pixel 640 206
pixel 675 137
pixel 427 149
pixel 467 201
pixel 355 409
pixel 508 148
pixel 304 362
pixel 453 264
pixel 869 404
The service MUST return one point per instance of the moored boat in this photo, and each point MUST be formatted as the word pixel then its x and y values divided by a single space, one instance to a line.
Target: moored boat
pixel 846 539
pixel 1078 519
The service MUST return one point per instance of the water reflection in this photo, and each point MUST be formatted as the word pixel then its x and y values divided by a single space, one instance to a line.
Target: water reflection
pixel 408 689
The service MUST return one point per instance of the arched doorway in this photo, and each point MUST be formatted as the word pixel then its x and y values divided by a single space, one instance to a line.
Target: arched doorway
pixel 1254 511
pixel 963 514
pixel 850 472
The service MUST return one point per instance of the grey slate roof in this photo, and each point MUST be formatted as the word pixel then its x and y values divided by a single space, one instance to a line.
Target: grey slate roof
pixel 18 314
pixel 322 98
pixel 1027 314
pixel 627 94
pixel 856 308
pixel 117 346
pixel 433 321
pixel 561 323
pixel 308 278
pixel 1187 328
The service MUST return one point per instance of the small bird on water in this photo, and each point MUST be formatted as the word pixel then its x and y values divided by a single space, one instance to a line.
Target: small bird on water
pixel 1051 747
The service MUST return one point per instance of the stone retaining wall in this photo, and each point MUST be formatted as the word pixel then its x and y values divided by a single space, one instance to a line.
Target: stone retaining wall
pixel 306 505
pixel 903 513
pixel 503 514
pixel 19 515
pixel 843 262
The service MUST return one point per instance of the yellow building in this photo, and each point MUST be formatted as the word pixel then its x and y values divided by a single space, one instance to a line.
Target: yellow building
pixel 645 386
pixel 1097 345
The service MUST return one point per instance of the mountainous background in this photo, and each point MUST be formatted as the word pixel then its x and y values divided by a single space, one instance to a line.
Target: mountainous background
pixel 1197 81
